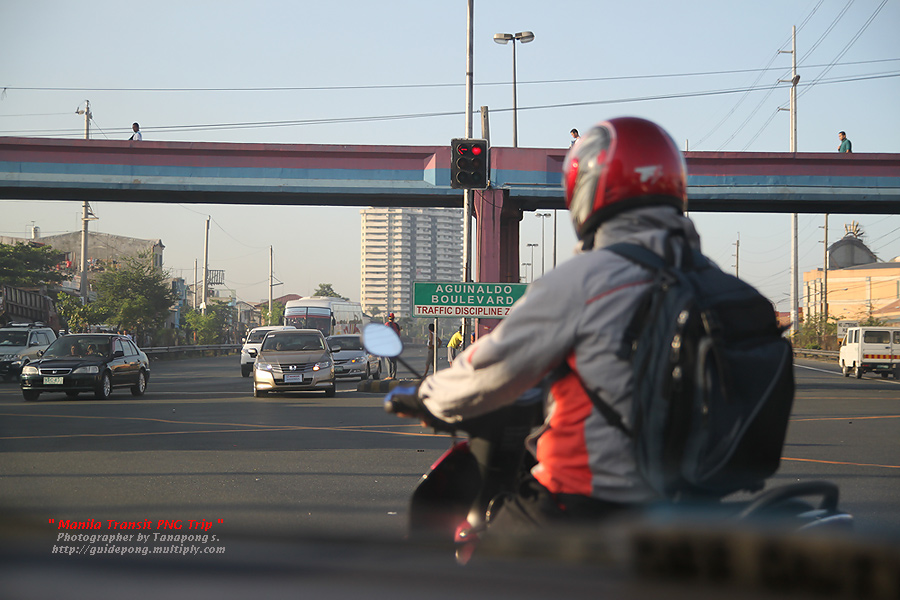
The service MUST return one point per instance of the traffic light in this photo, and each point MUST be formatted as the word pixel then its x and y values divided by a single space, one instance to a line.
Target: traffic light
pixel 469 164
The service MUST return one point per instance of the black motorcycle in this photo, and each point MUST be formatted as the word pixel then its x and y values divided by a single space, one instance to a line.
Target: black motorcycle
pixel 453 502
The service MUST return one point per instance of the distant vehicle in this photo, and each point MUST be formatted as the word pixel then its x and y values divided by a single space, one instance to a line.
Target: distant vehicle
pixel 872 349
pixel 293 360
pixel 87 362
pixel 26 306
pixel 21 344
pixel 351 359
pixel 252 342
pixel 331 316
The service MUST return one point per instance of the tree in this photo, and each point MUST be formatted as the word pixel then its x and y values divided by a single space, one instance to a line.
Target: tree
pixel 137 296
pixel 78 316
pixel 277 313
pixel 211 328
pixel 26 265
pixel 326 291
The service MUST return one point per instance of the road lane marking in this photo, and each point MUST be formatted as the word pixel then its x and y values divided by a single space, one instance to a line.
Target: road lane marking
pixel 894 381
pixel 248 427
pixel 799 420
pixel 838 462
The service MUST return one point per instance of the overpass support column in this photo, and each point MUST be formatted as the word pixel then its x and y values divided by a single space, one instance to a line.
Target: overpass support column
pixel 497 234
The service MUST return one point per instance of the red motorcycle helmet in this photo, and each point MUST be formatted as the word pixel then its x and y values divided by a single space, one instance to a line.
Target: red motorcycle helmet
pixel 618 165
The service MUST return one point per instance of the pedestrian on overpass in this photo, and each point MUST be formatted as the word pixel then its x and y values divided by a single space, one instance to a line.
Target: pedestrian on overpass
pixel 846 146
pixel 136 136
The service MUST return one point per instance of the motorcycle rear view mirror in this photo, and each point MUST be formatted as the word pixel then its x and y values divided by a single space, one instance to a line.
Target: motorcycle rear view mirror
pixel 381 340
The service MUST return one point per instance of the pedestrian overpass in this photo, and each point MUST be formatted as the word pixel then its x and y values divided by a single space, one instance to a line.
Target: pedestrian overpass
pixel 522 179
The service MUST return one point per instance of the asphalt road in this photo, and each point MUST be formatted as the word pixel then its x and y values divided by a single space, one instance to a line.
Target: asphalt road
pixel 198 447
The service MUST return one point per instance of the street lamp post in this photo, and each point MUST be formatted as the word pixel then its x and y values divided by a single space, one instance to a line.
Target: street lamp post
pixel 526 265
pixel 543 216
pixel 503 38
pixel 532 246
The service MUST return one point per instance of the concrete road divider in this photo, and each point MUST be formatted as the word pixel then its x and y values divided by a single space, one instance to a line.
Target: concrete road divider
pixel 383 386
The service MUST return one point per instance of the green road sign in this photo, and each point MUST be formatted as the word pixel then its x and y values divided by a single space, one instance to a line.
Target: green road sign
pixel 465 300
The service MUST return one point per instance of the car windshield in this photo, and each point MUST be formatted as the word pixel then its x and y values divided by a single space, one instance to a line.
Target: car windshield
pixel 78 346
pixel 256 337
pixel 346 343
pixel 293 343
pixel 13 338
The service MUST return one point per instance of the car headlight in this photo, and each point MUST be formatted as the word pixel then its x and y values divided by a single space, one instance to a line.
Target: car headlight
pixel 356 360
pixel 264 366
pixel 29 370
pixel 322 365
pixel 91 370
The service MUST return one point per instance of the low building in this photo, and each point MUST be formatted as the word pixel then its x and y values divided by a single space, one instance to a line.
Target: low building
pixel 857 285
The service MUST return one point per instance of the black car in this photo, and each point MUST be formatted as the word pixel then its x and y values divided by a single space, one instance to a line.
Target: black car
pixel 89 362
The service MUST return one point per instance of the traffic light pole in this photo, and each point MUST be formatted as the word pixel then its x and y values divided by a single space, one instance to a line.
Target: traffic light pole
pixel 467 193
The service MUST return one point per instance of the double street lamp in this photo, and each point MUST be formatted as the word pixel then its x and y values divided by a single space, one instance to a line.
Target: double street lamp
pixel 503 38
pixel 543 216
pixel 532 246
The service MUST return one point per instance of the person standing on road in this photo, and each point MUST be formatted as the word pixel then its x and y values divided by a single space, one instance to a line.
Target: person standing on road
pixel 432 340
pixel 624 181
pixel 136 136
pixel 392 361
pixel 454 344
pixel 846 146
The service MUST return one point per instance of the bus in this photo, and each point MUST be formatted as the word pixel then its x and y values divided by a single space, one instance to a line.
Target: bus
pixel 331 316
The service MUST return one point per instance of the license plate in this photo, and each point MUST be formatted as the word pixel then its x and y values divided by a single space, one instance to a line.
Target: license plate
pixel 53 380
pixel 293 378
pixel 339 369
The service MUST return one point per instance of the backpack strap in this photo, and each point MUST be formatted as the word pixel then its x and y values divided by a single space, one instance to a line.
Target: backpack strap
pixel 611 415
pixel 638 254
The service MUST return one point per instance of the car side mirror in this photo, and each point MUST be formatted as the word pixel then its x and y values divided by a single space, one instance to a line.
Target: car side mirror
pixel 335 348
pixel 252 352
pixel 40 353
pixel 243 340
pixel 118 354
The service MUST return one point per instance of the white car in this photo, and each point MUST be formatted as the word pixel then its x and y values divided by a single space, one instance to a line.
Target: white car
pixel 253 341
pixel 21 344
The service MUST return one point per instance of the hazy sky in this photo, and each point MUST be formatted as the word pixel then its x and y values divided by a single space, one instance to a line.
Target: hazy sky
pixel 317 72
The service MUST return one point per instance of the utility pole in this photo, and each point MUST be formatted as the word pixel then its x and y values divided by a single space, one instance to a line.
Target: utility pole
pixel 86 214
pixel 825 280
pixel 737 256
pixel 205 269
pixel 271 284
pixel 795 264
pixel 194 304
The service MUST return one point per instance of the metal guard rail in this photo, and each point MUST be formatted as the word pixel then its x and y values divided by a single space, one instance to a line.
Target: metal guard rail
pixel 188 348
pixel 826 354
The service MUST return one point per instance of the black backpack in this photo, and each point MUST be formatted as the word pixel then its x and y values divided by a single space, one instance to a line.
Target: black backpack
pixel 713 380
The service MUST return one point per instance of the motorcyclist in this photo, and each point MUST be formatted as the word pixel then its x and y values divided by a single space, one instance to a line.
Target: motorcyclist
pixel 624 181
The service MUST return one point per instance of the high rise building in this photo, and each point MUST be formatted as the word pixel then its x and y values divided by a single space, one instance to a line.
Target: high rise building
pixel 403 245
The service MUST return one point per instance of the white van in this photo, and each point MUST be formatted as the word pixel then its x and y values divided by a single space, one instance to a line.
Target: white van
pixel 253 341
pixel 875 349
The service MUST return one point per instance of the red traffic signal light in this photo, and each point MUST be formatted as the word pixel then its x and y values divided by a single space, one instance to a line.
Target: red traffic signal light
pixel 469 164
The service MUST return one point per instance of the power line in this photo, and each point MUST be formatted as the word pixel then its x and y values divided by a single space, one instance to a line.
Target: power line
pixel 409 116
pixel 423 85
